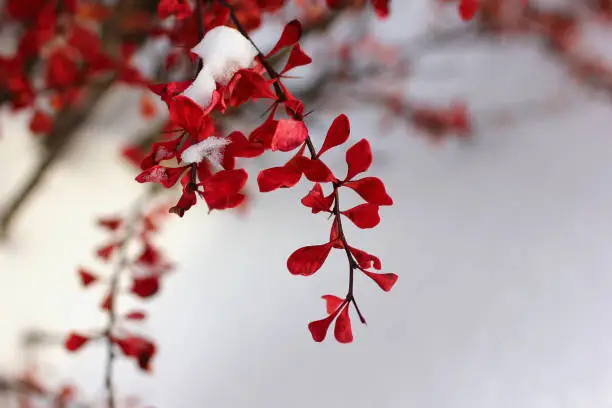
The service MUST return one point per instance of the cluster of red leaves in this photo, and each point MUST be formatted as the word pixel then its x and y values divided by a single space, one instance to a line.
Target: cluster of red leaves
pixel 35 391
pixel 283 130
pixel 561 29
pixel 437 123
pixel 381 7
pixel 467 9
pixel 63 43
pixel 143 272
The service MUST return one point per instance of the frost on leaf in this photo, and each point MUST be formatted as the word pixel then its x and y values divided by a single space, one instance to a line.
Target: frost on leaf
pixel 210 148
pixel 166 176
pixel 225 51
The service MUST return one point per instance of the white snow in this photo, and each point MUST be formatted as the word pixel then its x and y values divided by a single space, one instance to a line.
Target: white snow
pixel 201 89
pixel 210 148
pixel 224 51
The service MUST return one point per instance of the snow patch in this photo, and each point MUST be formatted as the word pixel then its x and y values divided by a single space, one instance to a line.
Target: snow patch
pixel 224 51
pixel 210 148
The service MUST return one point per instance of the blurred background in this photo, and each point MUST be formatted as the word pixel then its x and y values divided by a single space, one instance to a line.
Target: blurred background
pixel 493 138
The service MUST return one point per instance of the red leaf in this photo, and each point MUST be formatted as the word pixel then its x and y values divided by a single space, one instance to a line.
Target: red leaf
pixel 133 153
pixel 370 189
pixel 365 260
pixel 161 151
pixel 149 256
pixel 337 134
pixel 467 9
pixel 87 278
pixel 147 107
pixel 307 260
pixel 178 8
pixel 335 4
pixel 111 224
pixel 358 158
pixel 135 315
pixel 334 235
pixel 384 280
pixel 315 170
pixel 186 114
pixel 297 58
pixel 41 123
pixel 140 349
pixel 318 329
pixel 20 10
pixel 166 176
pixel 75 341
pixel 293 107
pixel 248 84
pixel 291 35
pixel 342 330
pixel 276 177
pixel 332 303
pixel 188 199
pixel 317 201
pixel 363 215
pixel 270 5
pixel 86 41
pixel 146 286
pixel 381 7
pixel 264 133
pixel 62 70
pixel 222 188
pixel 240 147
pixel 289 134
pixel 106 302
pixel 106 251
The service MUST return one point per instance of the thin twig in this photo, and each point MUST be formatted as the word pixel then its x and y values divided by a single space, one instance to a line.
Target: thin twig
pixel 122 262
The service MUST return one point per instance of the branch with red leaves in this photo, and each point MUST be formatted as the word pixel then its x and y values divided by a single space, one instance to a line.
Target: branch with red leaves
pixel 81 64
pixel 221 189
pixel 143 273
pixel 27 391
